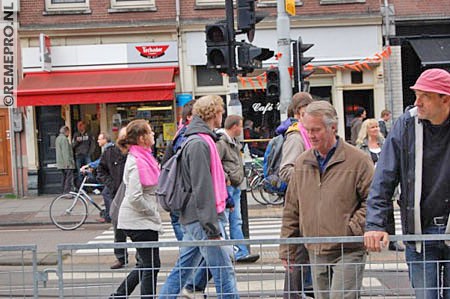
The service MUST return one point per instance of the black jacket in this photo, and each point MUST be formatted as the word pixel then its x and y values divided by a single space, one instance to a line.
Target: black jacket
pixel 110 168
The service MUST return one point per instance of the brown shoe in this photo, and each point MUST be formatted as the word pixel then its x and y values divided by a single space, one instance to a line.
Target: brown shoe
pixel 117 265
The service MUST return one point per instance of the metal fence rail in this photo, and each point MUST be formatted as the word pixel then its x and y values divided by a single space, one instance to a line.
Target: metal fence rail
pixel 83 269
pixel 19 276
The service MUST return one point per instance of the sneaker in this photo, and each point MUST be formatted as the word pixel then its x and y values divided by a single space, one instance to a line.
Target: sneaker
pixel 189 294
pixel 249 258
pixel 101 220
pixel 117 265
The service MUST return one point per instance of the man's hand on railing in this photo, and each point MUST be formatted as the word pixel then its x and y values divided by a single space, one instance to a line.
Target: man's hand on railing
pixel 376 240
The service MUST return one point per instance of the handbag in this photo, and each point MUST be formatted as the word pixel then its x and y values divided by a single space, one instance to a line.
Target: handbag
pixel 116 203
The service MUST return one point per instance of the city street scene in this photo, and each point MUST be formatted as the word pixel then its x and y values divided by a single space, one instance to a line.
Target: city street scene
pixel 225 149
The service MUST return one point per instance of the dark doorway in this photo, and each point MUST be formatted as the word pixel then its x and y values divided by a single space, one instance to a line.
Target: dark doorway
pixel 48 123
pixel 352 100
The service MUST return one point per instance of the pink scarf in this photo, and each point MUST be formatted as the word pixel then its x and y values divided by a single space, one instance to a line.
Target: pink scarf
pixel 304 134
pixel 217 174
pixel 147 166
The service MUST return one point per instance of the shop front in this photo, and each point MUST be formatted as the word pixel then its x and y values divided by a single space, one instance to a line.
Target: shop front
pixel 104 98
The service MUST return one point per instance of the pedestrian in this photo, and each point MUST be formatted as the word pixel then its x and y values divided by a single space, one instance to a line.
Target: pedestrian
pixel 297 280
pixel 370 140
pixel 110 173
pixel 360 115
pixel 172 148
pixel 416 153
pixel 83 145
pixel 203 216
pixel 334 206
pixel 90 169
pixel 139 217
pixel 233 166
pixel 385 117
pixel 64 159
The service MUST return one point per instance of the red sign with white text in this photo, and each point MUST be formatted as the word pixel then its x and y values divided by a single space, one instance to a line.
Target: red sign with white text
pixel 152 52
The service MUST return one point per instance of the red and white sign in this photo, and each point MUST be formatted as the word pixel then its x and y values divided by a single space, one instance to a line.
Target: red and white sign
pixel 153 51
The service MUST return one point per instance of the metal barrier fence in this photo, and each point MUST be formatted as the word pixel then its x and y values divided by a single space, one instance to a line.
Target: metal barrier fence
pixel 18 272
pixel 82 270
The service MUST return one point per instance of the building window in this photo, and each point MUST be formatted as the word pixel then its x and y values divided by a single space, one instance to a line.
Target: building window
pixel 132 4
pixel 263 3
pixel 341 1
pixel 356 77
pixel 64 6
pixel 208 77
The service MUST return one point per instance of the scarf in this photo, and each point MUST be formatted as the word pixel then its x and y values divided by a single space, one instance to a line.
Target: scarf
pixel 147 166
pixel 304 134
pixel 217 174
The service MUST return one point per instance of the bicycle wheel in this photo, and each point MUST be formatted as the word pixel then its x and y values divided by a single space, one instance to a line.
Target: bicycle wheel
pixel 269 197
pixel 255 188
pixel 68 212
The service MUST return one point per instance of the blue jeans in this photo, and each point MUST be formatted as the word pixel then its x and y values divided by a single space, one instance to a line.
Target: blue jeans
pixel 174 220
pixel 429 270
pixel 217 260
pixel 107 199
pixel 235 220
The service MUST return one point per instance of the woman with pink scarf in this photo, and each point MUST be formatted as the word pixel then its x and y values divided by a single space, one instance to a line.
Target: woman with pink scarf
pixel 138 215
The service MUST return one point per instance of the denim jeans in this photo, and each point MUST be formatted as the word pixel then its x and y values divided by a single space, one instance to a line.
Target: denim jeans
pixel 217 260
pixel 174 220
pixel 147 268
pixel 107 199
pixel 430 268
pixel 235 220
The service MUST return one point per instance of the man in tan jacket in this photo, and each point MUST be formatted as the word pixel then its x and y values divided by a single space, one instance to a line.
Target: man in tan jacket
pixel 326 197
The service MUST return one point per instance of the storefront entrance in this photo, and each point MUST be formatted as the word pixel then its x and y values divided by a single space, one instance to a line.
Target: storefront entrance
pixel 49 121
pixel 352 100
pixel 5 157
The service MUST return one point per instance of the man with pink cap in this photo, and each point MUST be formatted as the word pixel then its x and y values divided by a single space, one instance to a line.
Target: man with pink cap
pixel 416 153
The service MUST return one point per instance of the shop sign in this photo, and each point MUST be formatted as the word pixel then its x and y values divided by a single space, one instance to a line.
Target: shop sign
pixel 263 108
pixel 152 52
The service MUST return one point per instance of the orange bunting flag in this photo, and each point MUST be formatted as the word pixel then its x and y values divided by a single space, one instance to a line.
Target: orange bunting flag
pixel 326 69
pixel 366 65
pixel 389 50
pixel 260 82
pixel 244 84
pixel 249 80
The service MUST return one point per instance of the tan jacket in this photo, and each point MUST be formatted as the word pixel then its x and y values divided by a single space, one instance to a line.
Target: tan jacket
pixel 328 205
pixel 230 153
pixel 293 147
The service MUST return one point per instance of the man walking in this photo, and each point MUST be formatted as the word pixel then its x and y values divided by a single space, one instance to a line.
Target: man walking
pixel 110 173
pixel 385 117
pixel 230 153
pixel 202 171
pixel 64 158
pixel 356 123
pixel 415 154
pixel 326 197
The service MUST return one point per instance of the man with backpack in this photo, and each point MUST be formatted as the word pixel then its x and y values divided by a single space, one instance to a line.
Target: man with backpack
pixel 202 216
pixel 230 153
pixel 298 279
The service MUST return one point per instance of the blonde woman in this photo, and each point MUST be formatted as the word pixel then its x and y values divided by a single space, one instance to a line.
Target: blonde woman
pixel 370 139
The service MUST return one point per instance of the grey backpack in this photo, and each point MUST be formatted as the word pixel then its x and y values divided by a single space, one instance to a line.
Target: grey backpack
pixel 171 193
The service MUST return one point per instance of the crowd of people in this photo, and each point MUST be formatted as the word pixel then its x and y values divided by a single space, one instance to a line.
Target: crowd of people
pixel 334 189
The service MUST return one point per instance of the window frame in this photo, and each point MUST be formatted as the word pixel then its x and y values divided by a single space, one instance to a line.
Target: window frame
pixel 64 7
pixel 132 4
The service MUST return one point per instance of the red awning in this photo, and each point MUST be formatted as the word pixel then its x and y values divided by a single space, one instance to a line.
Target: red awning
pixel 96 86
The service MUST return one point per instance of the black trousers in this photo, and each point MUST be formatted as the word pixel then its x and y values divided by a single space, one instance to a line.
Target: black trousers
pixel 67 180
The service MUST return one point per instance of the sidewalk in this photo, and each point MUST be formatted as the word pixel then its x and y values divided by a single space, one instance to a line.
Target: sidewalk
pixel 35 211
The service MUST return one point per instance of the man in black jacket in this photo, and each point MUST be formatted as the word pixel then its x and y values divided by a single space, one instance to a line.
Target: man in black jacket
pixel 110 173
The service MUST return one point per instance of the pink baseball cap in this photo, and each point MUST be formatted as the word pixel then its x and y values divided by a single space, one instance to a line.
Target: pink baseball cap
pixel 434 80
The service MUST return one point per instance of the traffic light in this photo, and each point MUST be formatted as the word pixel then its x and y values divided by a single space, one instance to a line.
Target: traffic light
pixel 246 17
pixel 219 47
pixel 251 57
pixel 302 60
pixel 273 82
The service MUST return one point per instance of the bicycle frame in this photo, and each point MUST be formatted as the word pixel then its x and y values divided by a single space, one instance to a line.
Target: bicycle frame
pixel 83 194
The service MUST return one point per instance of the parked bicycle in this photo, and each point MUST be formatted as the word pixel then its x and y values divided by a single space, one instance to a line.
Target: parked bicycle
pixel 258 184
pixel 69 211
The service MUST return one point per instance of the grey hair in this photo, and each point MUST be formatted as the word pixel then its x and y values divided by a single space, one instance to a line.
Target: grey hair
pixel 63 129
pixel 324 109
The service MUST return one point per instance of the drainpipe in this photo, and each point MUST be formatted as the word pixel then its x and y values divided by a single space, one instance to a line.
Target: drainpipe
pixel 180 44
pixel 388 61
pixel 12 141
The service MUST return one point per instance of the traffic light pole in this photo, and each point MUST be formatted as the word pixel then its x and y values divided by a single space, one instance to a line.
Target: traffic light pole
pixel 284 60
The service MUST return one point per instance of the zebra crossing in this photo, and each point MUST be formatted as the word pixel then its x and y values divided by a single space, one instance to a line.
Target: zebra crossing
pixel 260 228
